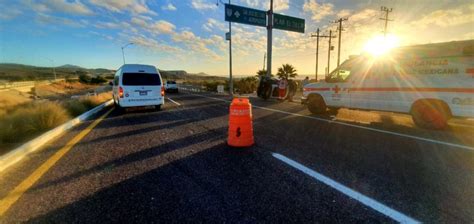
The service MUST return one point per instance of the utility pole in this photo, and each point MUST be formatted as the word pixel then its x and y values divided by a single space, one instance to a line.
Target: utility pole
pixel 231 81
pixel 386 10
pixel 269 39
pixel 264 57
pixel 339 44
pixel 329 51
pixel 317 50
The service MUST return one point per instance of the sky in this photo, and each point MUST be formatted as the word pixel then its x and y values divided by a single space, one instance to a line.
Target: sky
pixel 190 34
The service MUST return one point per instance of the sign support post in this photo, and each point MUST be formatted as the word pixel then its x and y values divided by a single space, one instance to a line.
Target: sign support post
pixel 231 81
pixel 269 39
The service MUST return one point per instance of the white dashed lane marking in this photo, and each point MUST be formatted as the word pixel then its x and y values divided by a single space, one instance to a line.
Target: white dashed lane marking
pixel 173 101
pixel 395 215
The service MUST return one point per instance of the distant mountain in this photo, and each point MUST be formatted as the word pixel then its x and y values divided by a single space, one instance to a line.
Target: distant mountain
pixel 202 74
pixel 70 66
pixel 19 72
pixel 173 72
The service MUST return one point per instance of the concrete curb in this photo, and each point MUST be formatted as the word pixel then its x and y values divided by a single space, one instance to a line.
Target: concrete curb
pixel 19 153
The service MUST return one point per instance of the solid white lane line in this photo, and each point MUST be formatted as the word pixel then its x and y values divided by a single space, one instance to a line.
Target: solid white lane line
pixel 395 215
pixel 357 126
pixel 173 101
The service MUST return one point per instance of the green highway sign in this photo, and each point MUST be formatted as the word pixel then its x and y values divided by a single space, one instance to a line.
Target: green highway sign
pixel 289 23
pixel 239 14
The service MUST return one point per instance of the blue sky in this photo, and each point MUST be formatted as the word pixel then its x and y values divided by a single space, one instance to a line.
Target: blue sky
pixel 189 34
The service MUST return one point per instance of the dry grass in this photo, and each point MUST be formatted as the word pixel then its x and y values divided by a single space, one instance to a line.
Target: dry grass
pixel 59 88
pixel 81 105
pixel 31 120
pixel 22 120
pixel 10 99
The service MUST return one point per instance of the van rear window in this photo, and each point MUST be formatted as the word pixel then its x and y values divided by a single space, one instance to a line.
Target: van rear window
pixel 141 79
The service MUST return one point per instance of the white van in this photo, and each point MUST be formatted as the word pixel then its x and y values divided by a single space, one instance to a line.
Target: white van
pixel 137 85
pixel 432 82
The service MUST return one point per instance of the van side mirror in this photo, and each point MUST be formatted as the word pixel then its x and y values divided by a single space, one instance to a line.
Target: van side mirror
pixel 111 83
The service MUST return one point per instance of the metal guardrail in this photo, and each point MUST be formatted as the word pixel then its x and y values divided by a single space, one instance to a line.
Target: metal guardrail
pixel 192 88
pixel 12 85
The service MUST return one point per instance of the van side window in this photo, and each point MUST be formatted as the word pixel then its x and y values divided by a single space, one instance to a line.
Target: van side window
pixel 116 80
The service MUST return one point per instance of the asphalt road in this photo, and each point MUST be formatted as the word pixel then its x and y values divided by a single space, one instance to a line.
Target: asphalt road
pixel 174 166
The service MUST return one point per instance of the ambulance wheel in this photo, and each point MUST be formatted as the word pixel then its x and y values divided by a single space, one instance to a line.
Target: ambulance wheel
pixel 430 114
pixel 316 104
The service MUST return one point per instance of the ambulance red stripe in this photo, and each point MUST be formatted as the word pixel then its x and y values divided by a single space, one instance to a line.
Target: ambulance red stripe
pixel 317 89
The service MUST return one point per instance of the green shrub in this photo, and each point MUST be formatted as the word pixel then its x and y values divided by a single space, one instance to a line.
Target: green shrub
pixel 246 85
pixel 211 85
pixel 85 78
pixel 98 80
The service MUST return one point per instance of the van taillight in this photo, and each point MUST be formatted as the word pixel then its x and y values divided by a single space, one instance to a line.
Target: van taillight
pixel 162 91
pixel 120 92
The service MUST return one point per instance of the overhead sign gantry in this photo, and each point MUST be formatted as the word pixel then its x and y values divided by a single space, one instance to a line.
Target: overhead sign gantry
pixel 255 17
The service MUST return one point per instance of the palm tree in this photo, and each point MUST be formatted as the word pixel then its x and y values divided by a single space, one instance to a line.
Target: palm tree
pixel 286 71
pixel 262 73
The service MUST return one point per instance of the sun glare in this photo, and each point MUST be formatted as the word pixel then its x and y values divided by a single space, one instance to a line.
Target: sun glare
pixel 380 45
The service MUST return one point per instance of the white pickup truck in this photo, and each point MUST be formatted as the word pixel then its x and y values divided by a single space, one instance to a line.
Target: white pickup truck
pixel 432 82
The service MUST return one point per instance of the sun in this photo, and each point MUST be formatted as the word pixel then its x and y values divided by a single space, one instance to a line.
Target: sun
pixel 380 45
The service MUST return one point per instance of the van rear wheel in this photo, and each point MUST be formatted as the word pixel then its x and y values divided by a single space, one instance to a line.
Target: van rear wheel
pixel 430 115
pixel 157 107
pixel 316 104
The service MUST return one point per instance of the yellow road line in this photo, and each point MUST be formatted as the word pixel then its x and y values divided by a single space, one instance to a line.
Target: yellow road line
pixel 19 190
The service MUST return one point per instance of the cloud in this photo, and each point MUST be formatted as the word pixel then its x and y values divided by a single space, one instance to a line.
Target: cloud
pixel 198 45
pixel 169 7
pixel 279 5
pixel 10 14
pixel 107 25
pixel 318 11
pixel 164 27
pixel 104 36
pixel 203 5
pixel 47 19
pixel 158 27
pixel 153 44
pixel 251 3
pixel 447 17
pixel 344 13
pixel 134 6
pixel 70 7
pixel 214 25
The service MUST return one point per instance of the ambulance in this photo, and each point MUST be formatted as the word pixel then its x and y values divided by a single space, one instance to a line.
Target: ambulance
pixel 432 82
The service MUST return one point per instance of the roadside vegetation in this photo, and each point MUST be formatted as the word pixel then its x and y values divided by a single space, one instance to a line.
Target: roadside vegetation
pixel 20 122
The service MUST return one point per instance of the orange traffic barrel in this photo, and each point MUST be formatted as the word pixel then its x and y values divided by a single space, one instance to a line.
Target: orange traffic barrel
pixel 240 123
